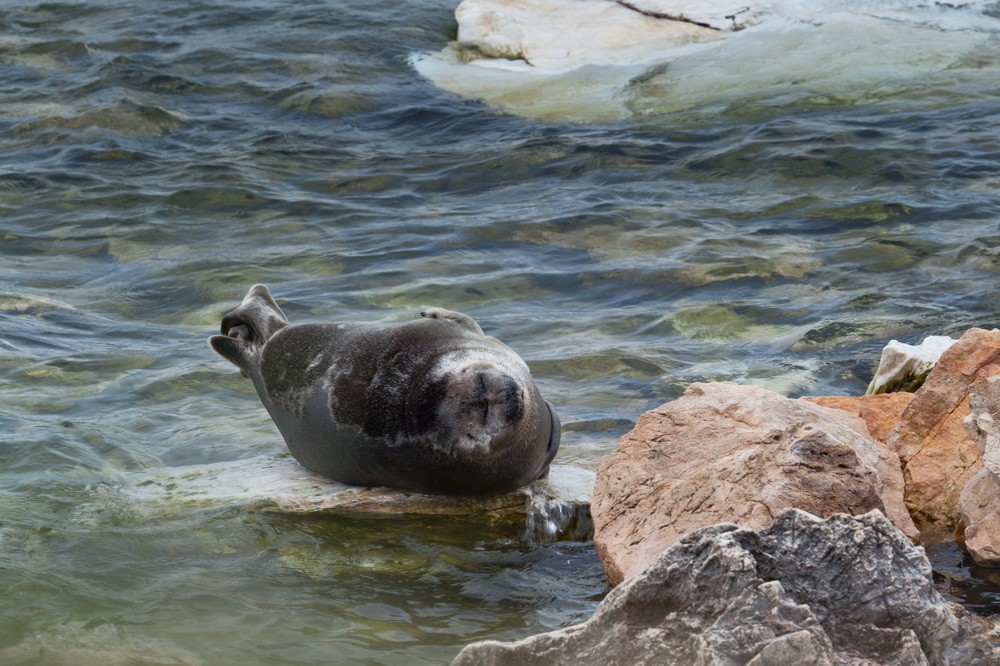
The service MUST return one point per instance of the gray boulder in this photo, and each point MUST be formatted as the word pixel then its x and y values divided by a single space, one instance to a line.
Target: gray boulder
pixel 845 590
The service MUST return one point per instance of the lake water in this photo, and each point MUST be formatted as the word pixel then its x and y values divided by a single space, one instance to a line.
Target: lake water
pixel 159 159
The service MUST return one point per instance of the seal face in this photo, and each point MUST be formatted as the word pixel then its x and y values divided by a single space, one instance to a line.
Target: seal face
pixel 432 405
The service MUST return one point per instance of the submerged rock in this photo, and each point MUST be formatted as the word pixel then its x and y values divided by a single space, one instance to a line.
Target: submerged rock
pixel 729 453
pixel 95 642
pixel 904 367
pixel 978 640
pixel 551 509
pixel 843 590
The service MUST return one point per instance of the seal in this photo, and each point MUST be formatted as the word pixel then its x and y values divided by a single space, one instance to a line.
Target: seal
pixel 432 405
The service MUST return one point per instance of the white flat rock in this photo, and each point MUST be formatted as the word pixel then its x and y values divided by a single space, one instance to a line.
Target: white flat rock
pixel 559 505
pixel 717 14
pixel 560 35
pixel 587 60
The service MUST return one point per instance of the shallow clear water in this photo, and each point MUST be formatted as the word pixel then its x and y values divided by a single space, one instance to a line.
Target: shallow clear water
pixel 157 161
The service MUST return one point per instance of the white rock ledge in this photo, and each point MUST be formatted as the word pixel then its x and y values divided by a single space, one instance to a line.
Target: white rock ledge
pixel 554 509
pixel 552 36
pixel 596 60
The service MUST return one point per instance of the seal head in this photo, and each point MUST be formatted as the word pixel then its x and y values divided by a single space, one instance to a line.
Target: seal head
pixel 432 405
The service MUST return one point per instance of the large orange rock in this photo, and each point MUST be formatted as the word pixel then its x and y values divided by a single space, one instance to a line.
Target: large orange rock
pixel 938 455
pixel 729 453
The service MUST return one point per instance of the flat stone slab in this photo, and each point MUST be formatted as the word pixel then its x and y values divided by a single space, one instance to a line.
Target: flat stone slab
pixel 555 508
pixel 597 60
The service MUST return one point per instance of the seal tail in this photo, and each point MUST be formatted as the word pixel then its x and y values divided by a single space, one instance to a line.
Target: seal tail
pixel 234 350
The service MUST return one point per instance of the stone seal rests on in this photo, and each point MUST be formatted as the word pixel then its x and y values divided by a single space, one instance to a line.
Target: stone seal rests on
pixel 432 405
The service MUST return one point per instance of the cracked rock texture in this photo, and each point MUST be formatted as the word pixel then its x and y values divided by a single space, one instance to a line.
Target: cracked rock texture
pixel 938 455
pixel 734 454
pixel 979 501
pixel 560 35
pixel 804 591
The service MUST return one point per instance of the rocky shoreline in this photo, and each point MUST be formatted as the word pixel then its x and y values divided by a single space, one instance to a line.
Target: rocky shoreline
pixel 740 526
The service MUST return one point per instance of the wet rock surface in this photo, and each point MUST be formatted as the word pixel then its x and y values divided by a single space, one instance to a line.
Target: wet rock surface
pixel 842 590
pixel 978 640
pixel 737 454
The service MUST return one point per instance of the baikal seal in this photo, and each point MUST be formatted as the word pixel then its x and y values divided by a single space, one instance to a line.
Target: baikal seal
pixel 432 405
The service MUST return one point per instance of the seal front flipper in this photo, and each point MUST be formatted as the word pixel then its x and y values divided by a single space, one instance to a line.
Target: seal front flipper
pixel 235 350
pixel 463 320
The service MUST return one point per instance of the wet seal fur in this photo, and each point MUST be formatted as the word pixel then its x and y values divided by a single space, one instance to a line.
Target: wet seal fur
pixel 432 405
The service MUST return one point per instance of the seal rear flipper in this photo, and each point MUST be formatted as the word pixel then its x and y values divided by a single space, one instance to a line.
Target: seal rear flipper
pixel 258 311
pixel 233 350
pixel 555 436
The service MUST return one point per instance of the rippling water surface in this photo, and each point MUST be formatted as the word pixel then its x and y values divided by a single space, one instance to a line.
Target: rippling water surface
pixel 157 160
